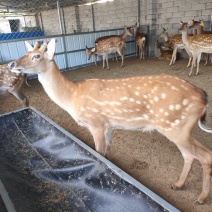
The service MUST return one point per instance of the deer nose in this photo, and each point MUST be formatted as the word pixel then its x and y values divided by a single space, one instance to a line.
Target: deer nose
pixel 11 65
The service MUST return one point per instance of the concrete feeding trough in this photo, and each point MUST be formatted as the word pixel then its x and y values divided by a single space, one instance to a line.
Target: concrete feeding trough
pixel 45 168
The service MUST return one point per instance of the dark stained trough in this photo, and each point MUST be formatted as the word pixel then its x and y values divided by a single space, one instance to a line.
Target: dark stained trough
pixel 45 168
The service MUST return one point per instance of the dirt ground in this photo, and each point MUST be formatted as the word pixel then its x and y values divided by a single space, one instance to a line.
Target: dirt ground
pixel 148 157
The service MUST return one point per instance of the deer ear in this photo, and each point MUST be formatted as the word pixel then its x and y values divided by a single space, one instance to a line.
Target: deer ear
pixel 51 49
pixel 29 46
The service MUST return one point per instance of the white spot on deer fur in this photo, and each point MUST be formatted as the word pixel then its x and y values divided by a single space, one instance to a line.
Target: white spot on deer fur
pixel 182 117
pixel 162 120
pixel 168 83
pixel 146 116
pixel 166 113
pixel 137 93
pixel 138 102
pixel 175 123
pixel 151 111
pixel 161 110
pixel 145 96
pixel 185 102
pixel 124 98
pixel 132 100
pixel 171 107
pixel 155 98
pixel 148 106
pixel 177 107
pixel 163 95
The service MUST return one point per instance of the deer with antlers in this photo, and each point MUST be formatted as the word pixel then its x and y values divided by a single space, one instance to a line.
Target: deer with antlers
pixel 175 42
pixel 13 82
pixel 165 103
pixel 196 45
pixel 140 40
pixel 109 44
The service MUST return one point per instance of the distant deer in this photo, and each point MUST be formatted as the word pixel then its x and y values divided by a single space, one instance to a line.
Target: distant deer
pixel 140 40
pixel 165 103
pixel 163 54
pixel 198 25
pixel 13 82
pixel 196 45
pixel 176 43
pixel 109 44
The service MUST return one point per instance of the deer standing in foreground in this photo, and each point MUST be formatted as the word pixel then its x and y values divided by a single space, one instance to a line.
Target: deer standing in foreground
pixel 165 103
pixel 175 42
pixel 13 83
pixel 196 45
pixel 109 44
pixel 140 40
pixel 164 54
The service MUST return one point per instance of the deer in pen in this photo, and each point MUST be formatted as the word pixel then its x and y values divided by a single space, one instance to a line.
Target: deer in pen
pixel 165 103
pixel 13 82
pixel 196 45
pixel 140 40
pixel 107 45
pixel 175 42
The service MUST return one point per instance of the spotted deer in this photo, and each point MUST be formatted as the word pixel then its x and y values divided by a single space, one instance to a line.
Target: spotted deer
pixel 198 25
pixel 140 40
pixel 13 82
pixel 196 45
pixel 164 54
pixel 109 44
pixel 165 103
pixel 175 42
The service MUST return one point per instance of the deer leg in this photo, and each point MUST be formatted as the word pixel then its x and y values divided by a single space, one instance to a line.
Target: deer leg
pixel 143 46
pixel 18 93
pixel 173 55
pixel 188 161
pixel 95 58
pixel 103 60
pixel 190 56
pixel 122 56
pixel 102 139
pixel 206 58
pixel 193 63
pixel 198 61
pixel 205 157
pixel 191 149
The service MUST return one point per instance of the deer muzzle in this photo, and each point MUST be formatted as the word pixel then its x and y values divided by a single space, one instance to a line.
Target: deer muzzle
pixel 13 67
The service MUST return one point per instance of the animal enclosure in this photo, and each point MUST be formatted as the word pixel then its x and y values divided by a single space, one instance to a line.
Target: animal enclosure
pixel 148 157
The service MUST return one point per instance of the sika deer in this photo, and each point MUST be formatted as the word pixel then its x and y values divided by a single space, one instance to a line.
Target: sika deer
pixel 176 43
pixel 196 45
pixel 109 44
pixel 13 83
pixel 164 54
pixel 140 40
pixel 165 103
pixel 198 25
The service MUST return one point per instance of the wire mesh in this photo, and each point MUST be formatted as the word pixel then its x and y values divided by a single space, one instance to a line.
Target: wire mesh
pixel 35 18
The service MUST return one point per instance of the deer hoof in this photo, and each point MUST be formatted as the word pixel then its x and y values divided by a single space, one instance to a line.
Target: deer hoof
pixel 176 186
pixel 198 202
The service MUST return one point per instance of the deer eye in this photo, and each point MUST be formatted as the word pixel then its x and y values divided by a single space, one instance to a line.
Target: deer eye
pixel 37 56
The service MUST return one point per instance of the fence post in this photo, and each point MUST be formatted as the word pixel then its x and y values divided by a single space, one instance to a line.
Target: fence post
pixel 93 17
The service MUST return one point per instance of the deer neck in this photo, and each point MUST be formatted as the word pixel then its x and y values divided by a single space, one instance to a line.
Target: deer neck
pixel 185 38
pixel 166 37
pixel 124 34
pixel 58 88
